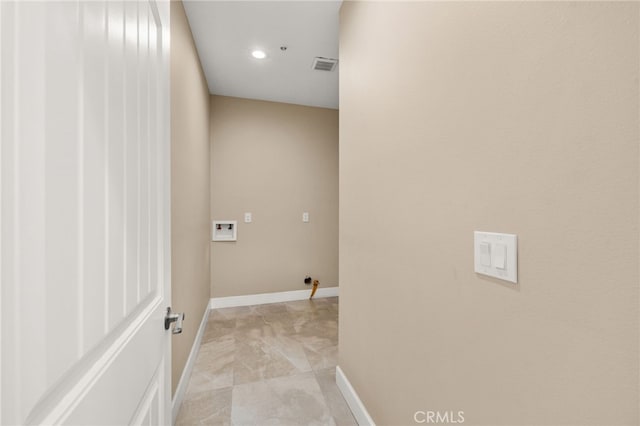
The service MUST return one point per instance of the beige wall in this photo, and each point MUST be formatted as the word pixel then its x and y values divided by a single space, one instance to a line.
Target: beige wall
pixel 189 186
pixel 274 160
pixel 516 117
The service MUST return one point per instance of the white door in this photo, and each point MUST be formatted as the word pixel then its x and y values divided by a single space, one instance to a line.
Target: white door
pixel 84 186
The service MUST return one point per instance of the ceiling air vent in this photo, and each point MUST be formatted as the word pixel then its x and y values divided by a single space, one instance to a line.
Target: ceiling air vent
pixel 324 64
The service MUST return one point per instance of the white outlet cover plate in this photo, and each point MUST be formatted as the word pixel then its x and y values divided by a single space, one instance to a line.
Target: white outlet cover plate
pixel 510 241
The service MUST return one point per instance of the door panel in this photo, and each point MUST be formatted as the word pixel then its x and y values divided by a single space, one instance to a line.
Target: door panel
pixel 115 160
pixel 84 217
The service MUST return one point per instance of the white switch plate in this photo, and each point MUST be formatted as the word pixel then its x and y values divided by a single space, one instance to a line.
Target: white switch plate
pixel 503 253
pixel 305 217
pixel 247 218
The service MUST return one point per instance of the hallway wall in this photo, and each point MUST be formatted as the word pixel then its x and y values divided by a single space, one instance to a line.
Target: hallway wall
pixel 515 117
pixel 274 160
pixel 189 187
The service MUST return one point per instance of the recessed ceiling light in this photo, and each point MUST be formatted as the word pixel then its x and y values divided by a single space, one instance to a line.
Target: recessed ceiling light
pixel 258 54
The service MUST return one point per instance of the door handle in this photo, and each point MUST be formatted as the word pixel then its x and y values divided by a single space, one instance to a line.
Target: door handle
pixel 173 317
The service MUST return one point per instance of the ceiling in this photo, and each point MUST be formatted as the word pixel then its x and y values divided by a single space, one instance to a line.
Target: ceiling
pixel 226 32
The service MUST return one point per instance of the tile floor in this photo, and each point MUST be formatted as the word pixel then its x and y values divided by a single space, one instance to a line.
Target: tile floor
pixel 268 365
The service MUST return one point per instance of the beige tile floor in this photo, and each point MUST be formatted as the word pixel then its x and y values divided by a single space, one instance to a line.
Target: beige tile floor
pixel 268 365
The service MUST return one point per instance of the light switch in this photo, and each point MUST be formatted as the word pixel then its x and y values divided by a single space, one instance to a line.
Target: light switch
pixel 485 254
pixel 496 255
pixel 500 256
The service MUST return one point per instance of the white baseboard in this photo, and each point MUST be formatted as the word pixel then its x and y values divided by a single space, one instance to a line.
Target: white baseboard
pixel 353 400
pixel 261 299
pixel 188 368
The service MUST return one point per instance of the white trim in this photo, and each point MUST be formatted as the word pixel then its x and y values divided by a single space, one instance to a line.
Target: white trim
pixel 261 299
pixel 353 400
pixel 188 368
